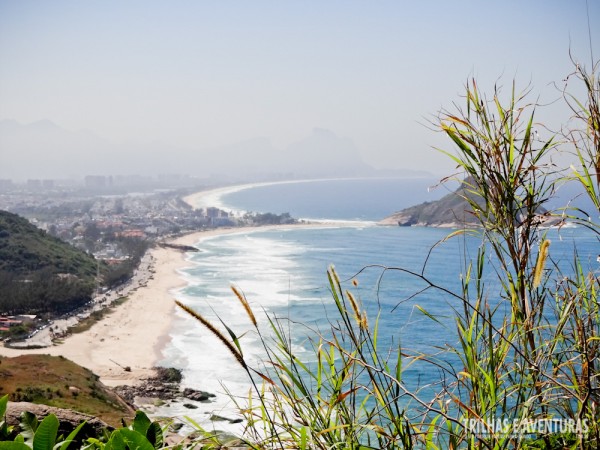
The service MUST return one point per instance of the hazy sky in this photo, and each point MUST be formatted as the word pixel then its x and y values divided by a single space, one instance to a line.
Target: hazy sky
pixel 200 74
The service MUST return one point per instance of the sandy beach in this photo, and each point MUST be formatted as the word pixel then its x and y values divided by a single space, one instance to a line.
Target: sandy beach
pixel 134 334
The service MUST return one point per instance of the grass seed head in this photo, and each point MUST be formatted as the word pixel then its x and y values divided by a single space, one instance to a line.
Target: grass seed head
pixel 214 331
pixel 242 298
pixel 354 305
pixel 541 261
pixel 334 275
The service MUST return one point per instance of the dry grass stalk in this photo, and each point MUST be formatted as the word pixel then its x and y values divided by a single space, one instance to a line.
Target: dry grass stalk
pixel 354 305
pixel 541 261
pixel 237 355
pixel 242 298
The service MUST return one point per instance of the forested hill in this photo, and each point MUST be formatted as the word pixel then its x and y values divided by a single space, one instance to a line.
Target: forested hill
pixel 40 273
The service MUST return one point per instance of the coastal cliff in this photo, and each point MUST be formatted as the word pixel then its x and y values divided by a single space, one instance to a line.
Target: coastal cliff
pixel 452 210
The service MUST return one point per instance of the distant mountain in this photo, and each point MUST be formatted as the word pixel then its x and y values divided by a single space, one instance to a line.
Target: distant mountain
pixel 325 154
pixel 43 150
pixel 40 273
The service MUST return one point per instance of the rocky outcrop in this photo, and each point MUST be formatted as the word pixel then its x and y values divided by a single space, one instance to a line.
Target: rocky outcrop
pixel 451 210
pixel 183 248
pixel 68 419
pixel 199 396
pixel 165 385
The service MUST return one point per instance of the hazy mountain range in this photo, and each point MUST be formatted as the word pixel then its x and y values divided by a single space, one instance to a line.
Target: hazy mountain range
pixel 44 150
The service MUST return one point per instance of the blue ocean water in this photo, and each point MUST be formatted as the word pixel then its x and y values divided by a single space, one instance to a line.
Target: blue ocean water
pixel 283 273
pixel 352 199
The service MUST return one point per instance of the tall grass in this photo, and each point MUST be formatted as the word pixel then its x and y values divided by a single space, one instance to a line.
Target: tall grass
pixel 528 345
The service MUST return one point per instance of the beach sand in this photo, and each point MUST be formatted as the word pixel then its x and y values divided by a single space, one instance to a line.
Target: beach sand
pixel 134 334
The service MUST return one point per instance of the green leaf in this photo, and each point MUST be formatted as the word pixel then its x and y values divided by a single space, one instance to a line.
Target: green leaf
pixel 458 161
pixel 14 446
pixel 194 424
pixel 45 435
pixel 71 437
pixel 233 336
pixel 431 316
pixel 459 142
pixel 141 422
pixel 116 441
pixel 3 405
pixel 135 440
pixel 431 431
pixel 154 435
pixel 303 439
pixel 5 430
pixel 399 365
pixel 93 443
pixel 29 425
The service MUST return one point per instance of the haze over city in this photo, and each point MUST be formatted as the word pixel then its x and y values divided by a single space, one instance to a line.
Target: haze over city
pixel 300 88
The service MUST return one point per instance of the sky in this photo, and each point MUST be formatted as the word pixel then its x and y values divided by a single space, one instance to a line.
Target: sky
pixel 202 74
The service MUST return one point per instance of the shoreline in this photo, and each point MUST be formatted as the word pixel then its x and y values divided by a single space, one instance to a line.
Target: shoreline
pixel 123 347
pixel 213 196
pixel 129 336
pixel 135 333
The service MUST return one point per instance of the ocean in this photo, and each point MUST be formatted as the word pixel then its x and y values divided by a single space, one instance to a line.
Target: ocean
pixel 283 273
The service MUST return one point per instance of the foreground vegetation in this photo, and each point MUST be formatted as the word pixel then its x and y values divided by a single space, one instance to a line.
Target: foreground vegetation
pixel 48 433
pixel 524 371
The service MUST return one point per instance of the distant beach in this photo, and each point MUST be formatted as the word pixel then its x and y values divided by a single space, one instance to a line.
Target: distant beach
pixel 134 334
pixel 213 197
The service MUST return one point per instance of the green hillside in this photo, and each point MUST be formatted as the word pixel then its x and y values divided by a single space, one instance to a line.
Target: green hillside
pixel 64 384
pixel 40 273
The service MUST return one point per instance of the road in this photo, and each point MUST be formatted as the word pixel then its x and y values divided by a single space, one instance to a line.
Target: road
pixel 58 328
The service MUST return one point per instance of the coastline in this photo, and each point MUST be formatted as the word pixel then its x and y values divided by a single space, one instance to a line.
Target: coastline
pixel 213 197
pixel 135 333
pixel 129 336
pixel 123 347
